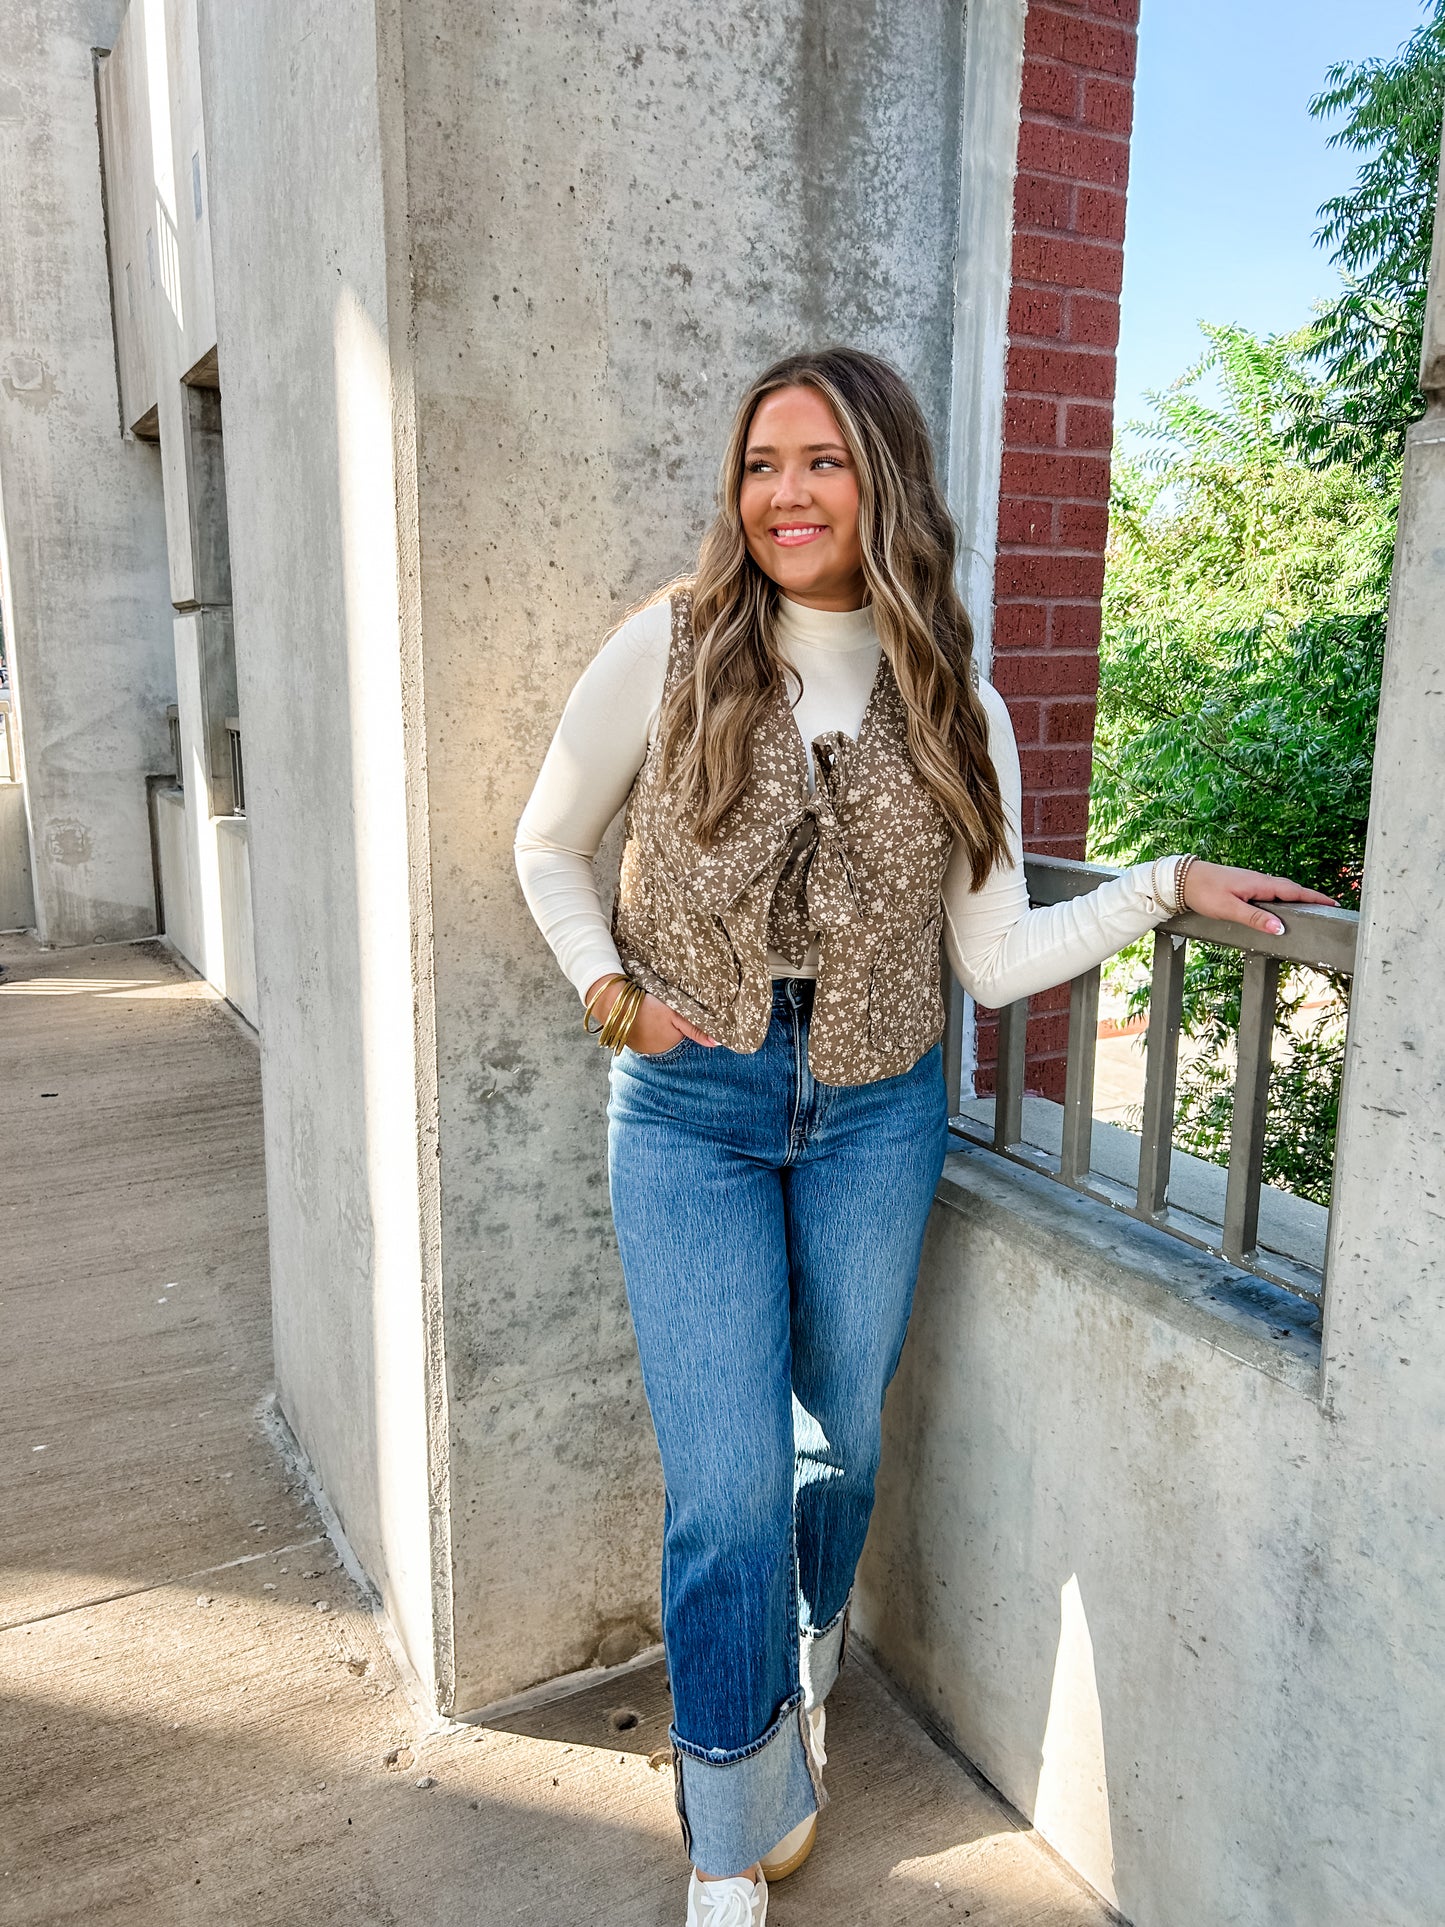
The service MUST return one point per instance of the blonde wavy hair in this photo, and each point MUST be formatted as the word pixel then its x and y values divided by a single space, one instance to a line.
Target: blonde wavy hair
pixel 908 541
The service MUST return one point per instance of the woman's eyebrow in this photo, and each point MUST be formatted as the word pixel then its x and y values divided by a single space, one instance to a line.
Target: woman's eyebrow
pixel 810 448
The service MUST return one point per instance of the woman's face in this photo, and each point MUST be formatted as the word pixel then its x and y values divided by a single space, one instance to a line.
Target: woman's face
pixel 799 501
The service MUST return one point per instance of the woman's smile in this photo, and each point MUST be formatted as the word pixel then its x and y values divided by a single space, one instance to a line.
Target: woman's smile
pixel 795 534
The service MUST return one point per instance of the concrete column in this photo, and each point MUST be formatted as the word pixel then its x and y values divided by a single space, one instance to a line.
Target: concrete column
pixel 82 538
pixel 1385 1314
pixel 487 285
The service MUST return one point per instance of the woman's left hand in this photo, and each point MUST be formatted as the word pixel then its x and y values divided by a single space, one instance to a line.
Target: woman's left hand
pixel 1234 896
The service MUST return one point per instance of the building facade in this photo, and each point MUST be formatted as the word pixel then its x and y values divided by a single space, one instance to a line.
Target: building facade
pixel 360 363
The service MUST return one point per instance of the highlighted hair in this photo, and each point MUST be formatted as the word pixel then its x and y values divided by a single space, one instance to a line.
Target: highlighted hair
pixel 908 546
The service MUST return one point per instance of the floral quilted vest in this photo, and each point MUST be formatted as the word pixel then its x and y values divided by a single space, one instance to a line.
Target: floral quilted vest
pixel 858 863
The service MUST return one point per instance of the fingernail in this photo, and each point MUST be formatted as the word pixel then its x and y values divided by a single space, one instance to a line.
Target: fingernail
pixel 1276 928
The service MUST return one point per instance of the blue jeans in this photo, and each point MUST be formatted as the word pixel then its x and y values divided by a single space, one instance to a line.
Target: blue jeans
pixel 770 1229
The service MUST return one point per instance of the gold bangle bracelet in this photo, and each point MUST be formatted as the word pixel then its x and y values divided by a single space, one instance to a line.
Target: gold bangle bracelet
pixel 621 1017
pixel 620 1032
pixel 625 1029
pixel 629 1018
pixel 612 1019
pixel 617 977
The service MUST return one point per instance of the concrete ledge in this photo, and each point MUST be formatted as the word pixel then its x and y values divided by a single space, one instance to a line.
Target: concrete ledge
pixel 1231 1311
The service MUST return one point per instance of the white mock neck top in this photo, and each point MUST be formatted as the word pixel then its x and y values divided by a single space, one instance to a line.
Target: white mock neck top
pixel 999 947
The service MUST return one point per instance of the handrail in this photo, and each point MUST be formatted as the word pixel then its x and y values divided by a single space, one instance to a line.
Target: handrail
pixel 1314 935
pixel 1320 938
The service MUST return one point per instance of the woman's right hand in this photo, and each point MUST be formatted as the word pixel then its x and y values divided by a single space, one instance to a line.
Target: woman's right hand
pixel 655 1028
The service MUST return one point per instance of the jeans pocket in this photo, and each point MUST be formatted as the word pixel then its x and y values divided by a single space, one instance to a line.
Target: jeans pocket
pixel 678 1049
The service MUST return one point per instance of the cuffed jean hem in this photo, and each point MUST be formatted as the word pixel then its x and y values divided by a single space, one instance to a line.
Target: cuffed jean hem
pixel 735 1807
pixel 820 1655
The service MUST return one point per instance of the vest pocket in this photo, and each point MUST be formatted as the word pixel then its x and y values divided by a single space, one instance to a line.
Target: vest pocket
pixel 692 951
pixel 904 1003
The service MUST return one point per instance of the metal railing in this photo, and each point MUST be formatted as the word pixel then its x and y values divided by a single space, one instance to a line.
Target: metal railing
pixel 173 725
pixel 1321 939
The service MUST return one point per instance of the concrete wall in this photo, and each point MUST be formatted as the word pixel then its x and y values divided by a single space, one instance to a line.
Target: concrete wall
pixel 512 307
pixel 233 971
pixel 148 94
pixel 1176 1590
pixel 173 851
pixel 233 864
pixel 324 618
pixel 17 899
pixel 84 548
pixel 616 218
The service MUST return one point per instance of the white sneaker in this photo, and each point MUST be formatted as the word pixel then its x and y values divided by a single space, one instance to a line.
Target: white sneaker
pixel 791 1851
pixel 795 1846
pixel 727 1903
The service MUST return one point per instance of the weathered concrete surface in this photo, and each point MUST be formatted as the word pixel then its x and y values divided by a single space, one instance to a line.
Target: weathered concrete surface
pixel 17 898
pixel 157 207
pixel 132 1227
pixel 1091 1554
pixel 336 800
pixel 537 254
pixel 189 1738
pixel 82 545
pixel 616 217
pixel 1180 1601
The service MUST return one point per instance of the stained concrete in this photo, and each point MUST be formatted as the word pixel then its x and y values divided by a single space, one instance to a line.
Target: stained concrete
pixel 17 898
pixel 203 1719
pixel 1174 1586
pixel 82 544
pixel 488 281
pixel 148 96
pixel 326 660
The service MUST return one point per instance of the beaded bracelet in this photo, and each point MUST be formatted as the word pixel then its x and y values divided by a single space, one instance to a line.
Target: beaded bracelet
pixel 1181 871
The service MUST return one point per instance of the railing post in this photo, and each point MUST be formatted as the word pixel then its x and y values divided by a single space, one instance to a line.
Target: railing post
pixel 952 1040
pixel 1076 1151
pixel 1009 1071
pixel 1161 1067
pixel 1251 1101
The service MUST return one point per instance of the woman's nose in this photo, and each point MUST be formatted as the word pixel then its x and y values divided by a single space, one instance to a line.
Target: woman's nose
pixel 791 490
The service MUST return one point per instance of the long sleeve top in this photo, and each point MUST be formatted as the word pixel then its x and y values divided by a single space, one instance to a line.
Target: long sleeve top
pixel 1000 948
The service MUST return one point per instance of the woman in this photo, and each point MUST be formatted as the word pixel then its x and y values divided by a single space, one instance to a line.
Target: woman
pixel 817 787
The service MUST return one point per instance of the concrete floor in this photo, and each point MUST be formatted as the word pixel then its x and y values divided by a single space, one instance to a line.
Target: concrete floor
pixel 202 1719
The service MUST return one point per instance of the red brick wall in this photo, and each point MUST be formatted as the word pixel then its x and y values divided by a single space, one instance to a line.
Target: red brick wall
pixel 1068 254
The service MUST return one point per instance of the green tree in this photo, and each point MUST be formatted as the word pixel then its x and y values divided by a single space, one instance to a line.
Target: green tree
pixel 1368 339
pixel 1244 605
pixel 1239 682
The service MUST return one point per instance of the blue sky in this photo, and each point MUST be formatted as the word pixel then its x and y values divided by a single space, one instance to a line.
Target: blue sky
pixel 1228 169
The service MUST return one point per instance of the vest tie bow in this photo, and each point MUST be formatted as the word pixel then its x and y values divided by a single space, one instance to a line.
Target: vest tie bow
pixel 819 888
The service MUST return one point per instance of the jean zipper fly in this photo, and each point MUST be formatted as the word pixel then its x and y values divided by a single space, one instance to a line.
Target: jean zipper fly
pixel 799 1066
